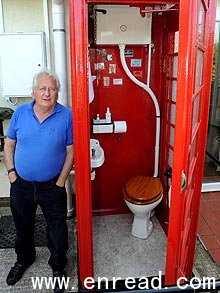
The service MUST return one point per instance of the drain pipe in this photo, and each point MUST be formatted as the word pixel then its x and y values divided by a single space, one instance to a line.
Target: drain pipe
pixel 154 99
pixel 58 16
pixel 47 32
pixel 1 18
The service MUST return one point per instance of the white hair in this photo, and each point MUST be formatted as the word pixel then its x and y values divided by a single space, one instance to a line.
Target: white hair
pixel 45 72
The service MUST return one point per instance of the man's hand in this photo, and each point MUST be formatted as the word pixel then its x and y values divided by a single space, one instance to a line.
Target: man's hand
pixel 12 176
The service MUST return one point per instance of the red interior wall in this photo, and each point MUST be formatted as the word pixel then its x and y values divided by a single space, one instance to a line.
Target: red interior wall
pixel 129 153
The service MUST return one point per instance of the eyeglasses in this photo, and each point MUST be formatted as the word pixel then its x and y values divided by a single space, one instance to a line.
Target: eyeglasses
pixel 51 90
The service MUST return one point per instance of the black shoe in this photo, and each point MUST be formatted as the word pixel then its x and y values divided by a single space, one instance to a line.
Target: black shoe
pixel 60 277
pixel 16 273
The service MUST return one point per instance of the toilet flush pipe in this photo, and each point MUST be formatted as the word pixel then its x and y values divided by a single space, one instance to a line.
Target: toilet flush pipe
pixel 149 65
pixel 154 99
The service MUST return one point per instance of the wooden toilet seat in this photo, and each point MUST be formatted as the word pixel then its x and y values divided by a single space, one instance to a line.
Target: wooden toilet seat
pixel 143 190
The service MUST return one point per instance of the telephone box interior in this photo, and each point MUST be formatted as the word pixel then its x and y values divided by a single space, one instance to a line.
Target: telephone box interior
pixel 132 152
pixel 152 58
pixel 145 67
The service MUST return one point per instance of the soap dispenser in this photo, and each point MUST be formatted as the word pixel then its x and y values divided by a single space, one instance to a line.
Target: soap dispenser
pixel 108 115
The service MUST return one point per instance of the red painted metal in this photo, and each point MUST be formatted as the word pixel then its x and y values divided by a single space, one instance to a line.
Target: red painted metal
pixel 79 52
pixel 168 107
pixel 130 103
pixel 190 135
pixel 205 101
pixel 139 2
pixel 189 139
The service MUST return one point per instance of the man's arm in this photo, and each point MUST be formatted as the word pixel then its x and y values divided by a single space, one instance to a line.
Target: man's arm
pixel 9 150
pixel 68 165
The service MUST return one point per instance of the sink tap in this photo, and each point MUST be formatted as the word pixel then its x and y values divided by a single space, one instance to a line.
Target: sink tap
pixel 93 153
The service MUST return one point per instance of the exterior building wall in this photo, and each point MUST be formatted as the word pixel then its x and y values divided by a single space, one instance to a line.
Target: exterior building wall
pixel 25 16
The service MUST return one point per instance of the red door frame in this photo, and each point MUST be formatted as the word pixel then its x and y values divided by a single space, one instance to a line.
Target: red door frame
pixel 180 250
pixel 137 2
pixel 79 50
pixel 79 56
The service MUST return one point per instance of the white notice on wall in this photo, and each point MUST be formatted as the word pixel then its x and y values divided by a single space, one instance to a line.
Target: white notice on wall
pixel 136 62
pixel 106 81
pixel 117 81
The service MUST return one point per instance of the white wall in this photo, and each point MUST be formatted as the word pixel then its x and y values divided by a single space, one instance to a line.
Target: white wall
pixel 24 16
pixel 21 16
pixel 218 10
pixel 28 16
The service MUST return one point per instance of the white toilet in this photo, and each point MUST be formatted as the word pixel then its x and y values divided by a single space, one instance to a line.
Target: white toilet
pixel 142 194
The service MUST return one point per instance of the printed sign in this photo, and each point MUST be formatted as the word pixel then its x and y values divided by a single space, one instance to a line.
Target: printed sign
pixel 112 68
pixel 106 81
pixel 117 81
pixel 138 73
pixel 136 62
pixel 129 53
pixel 99 66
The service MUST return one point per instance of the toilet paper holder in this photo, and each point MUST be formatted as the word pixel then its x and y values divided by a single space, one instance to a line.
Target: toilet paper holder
pixel 114 127
pixel 106 125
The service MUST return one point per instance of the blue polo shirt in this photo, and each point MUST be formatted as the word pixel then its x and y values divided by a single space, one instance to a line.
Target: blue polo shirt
pixel 40 149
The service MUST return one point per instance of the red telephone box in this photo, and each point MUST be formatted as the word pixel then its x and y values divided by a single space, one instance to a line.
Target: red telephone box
pixel 188 107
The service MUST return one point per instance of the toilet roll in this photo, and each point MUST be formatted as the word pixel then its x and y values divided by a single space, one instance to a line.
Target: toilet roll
pixel 120 126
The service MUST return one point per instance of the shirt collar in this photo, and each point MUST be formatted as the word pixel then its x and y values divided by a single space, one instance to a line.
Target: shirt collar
pixel 56 109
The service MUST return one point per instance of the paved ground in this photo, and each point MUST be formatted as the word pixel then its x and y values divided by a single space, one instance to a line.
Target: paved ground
pixel 40 268
pixel 204 264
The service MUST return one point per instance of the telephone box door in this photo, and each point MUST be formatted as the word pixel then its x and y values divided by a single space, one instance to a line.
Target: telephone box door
pixel 196 30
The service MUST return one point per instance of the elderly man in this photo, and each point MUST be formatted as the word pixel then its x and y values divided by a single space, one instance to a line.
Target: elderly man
pixel 39 156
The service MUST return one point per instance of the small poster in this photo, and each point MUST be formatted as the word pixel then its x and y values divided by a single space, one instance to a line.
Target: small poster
pixel 136 62
pixel 117 81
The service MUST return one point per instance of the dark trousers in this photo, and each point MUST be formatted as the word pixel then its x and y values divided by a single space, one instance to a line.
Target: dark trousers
pixel 24 197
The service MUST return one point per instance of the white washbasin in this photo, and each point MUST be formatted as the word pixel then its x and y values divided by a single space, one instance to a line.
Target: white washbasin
pixel 96 154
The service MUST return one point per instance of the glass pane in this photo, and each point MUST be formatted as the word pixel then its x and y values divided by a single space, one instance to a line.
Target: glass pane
pixel 201 22
pixel 199 68
pixel 212 170
pixel 193 150
pixel 172 131
pixel 170 158
pixel 173 114
pixel 174 87
pixel 175 66
pixel 195 115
